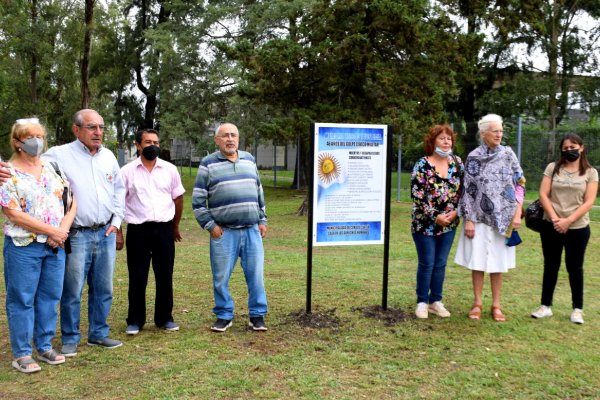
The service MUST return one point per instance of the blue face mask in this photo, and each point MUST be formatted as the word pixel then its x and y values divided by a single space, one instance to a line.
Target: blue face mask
pixel 443 153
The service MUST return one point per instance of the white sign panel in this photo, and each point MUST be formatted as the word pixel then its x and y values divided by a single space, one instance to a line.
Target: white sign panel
pixel 349 184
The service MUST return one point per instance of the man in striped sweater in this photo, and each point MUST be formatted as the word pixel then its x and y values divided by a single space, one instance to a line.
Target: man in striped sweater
pixel 228 201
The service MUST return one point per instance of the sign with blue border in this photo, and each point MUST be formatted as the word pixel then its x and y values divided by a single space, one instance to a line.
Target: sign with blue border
pixel 350 165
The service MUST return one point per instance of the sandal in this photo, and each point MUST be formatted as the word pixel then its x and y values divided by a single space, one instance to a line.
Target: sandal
pixel 475 312
pixel 26 365
pixel 52 357
pixel 497 314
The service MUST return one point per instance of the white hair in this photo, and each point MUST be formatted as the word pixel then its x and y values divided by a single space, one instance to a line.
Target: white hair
pixel 485 122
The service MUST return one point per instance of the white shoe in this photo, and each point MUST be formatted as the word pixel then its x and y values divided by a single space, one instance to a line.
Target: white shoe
pixel 421 311
pixel 542 312
pixel 437 307
pixel 577 316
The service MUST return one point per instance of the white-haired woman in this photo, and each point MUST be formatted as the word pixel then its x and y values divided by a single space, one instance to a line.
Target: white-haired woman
pixel 34 259
pixel 494 187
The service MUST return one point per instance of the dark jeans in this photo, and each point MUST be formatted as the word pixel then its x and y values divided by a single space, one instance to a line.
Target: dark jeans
pixel 150 241
pixel 433 255
pixel 574 242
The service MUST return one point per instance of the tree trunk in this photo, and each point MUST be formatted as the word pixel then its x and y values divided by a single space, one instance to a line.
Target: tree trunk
pixel 87 49
pixel 302 174
pixel 150 111
pixel 468 90
pixel 553 76
pixel 302 211
pixel 34 59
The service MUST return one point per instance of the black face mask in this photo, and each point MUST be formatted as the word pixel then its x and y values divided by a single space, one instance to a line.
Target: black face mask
pixel 150 152
pixel 570 155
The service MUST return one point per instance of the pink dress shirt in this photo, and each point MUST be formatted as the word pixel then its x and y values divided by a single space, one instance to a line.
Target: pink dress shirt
pixel 149 195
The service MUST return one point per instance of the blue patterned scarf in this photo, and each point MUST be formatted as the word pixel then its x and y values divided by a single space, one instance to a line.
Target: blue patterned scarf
pixel 491 176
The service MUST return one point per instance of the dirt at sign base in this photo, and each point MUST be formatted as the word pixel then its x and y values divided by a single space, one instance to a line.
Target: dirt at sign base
pixel 327 318
pixel 317 319
pixel 390 316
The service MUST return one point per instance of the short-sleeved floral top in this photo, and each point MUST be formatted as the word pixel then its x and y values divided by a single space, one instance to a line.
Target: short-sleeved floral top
pixel 433 195
pixel 41 198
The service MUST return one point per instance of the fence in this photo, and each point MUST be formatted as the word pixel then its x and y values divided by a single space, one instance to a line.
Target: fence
pixel 537 146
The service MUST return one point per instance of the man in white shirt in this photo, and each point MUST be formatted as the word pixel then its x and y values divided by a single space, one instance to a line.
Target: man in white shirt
pixel 95 178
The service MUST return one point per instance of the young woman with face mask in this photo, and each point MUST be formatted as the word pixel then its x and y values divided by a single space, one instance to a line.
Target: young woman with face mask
pixel 34 259
pixel 567 193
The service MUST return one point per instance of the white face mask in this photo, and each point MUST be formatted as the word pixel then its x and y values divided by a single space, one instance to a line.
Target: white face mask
pixel 443 153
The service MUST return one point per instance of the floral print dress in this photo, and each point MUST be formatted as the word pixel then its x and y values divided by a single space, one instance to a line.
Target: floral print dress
pixel 41 198
pixel 433 195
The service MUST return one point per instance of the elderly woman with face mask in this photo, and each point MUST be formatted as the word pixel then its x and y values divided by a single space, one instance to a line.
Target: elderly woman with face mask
pixel 494 187
pixel 34 259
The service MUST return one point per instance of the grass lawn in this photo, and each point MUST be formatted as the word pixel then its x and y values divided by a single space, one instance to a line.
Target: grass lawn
pixel 361 357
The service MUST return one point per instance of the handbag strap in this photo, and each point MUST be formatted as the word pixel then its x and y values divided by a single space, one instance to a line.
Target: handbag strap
pixel 65 195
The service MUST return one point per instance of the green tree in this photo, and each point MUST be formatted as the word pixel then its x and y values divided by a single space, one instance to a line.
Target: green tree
pixel 376 61
pixel 164 46
pixel 491 29
pixel 570 49
pixel 38 47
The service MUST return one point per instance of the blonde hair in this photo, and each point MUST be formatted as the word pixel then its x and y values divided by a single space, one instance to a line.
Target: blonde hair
pixel 22 128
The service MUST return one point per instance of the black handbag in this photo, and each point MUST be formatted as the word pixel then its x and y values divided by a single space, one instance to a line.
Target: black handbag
pixel 534 216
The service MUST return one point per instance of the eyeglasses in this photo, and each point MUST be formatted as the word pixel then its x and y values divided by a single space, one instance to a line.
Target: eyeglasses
pixel 92 127
pixel 232 135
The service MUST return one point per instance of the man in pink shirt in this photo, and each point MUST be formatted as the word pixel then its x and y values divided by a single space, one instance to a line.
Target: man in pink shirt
pixel 153 206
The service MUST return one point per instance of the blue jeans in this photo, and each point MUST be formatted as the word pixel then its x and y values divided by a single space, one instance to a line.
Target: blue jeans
pixel 246 244
pixel 431 271
pixel 92 258
pixel 33 275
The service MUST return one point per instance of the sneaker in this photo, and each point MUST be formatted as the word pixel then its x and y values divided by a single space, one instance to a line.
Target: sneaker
pixel 421 311
pixel 257 323
pixel 106 342
pixel 221 325
pixel 69 349
pixel 170 326
pixel 132 329
pixel 542 312
pixel 577 316
pixel 437 307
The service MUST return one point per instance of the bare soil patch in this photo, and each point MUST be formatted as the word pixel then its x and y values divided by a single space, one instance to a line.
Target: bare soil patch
pixel 317 319
pixel 390 316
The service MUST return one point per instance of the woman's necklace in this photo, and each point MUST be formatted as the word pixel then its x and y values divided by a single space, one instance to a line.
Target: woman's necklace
pixel 571 169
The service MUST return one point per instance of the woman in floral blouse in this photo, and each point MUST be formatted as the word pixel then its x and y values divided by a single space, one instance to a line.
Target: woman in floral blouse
pixel 34 259
pixel 436 185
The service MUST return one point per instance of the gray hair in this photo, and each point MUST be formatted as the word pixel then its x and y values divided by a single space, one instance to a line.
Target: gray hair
pixel 485 122
pixel 78 116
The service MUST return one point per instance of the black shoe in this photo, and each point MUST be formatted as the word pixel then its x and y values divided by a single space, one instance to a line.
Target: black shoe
pixel 257 324
pixel 106 342
pixel 221 325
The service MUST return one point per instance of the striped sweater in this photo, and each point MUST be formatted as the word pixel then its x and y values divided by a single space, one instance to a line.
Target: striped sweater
pixel 228 193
